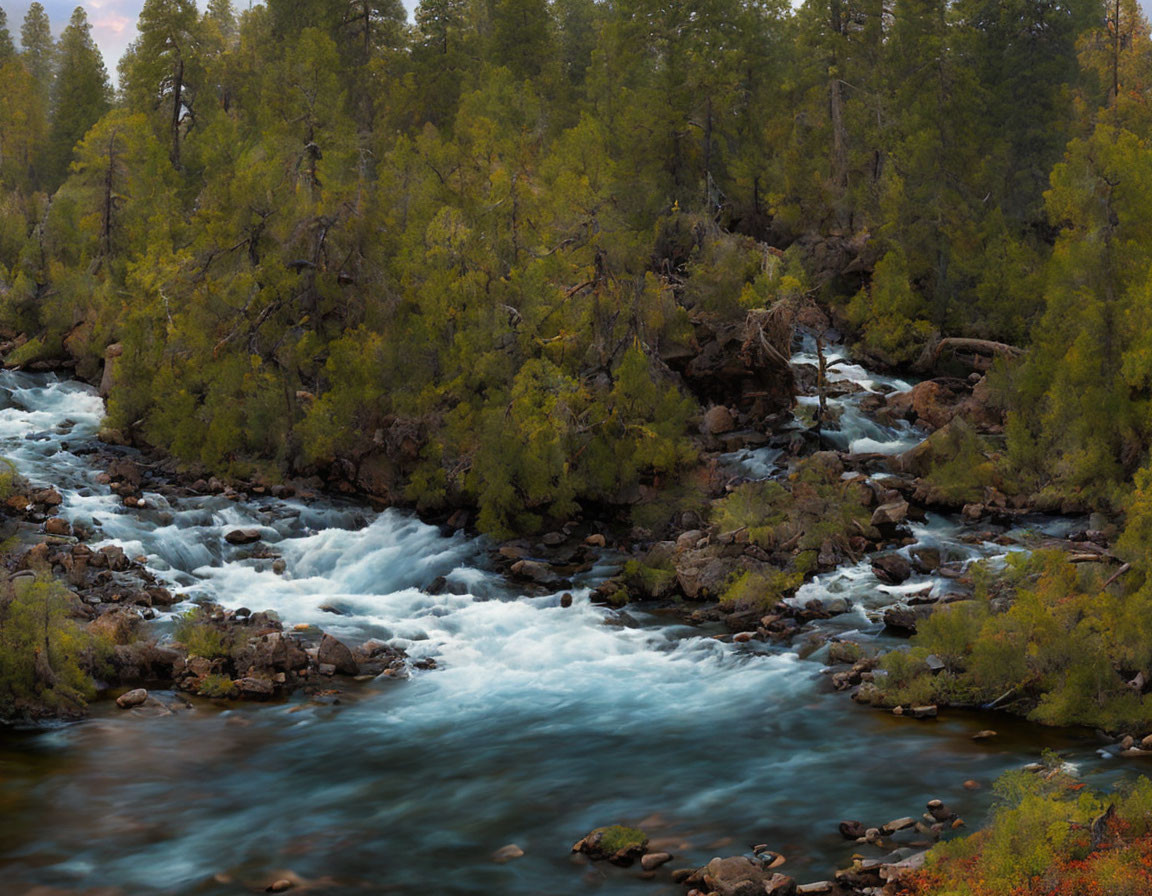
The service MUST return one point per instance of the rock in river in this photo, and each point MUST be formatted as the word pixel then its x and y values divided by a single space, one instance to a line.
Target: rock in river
pixel 242 536
pixel 336 653
pixel 890 514
pixel 507 854
pixel 618 844
pixel 891 568
pixel 132 698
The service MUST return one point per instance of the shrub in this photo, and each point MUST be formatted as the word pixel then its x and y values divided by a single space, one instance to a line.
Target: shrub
pixel 45 654
pixel 755 590
pixel 200 636
pixel 215 685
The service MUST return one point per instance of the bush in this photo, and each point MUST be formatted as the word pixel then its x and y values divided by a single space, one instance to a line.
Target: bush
pixel 216 686
pixel 45 655
pixel 201 636
pixel 754 590
pixel 1062 652
pixel 1049 837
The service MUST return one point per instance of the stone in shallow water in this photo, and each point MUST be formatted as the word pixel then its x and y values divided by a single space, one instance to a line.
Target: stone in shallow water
pixel 507 853
pixel 654 860
pixel 132 698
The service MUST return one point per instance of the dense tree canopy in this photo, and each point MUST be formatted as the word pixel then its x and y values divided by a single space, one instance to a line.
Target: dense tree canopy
pixel 453 258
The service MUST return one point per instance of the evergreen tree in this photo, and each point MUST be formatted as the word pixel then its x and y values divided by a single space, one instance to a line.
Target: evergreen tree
pixel 81 92
pixel 161 71
pixel 38 49
pixel 7 49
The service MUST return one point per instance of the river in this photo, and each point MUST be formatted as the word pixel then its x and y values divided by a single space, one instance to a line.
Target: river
pixel 538 724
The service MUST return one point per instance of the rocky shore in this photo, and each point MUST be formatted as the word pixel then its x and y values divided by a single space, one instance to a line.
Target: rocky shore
pixel 899 846
pixel 216 653
pixel 827 508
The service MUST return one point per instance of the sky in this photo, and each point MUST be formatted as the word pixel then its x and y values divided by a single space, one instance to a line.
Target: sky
pixel 114 21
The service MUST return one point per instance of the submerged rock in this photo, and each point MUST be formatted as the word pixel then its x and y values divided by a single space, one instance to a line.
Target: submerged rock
pixel 617 844
pixel 507 854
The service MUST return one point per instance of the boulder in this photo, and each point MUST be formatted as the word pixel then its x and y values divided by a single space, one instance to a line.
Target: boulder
pixel 654 860
pixel 243 536
pixel 136 697
pixel 255 688
pixel 939 447
pixel 852 830
pixel 111 362
pixel 54 525
pixel 906 619
pixel 891 514
pixel 111 557
pixel 336 653
pixel 144 661
pixel 933 403
pixel 717 421
pixel 892 569
pixel 925 559
pixel 617 844
pixel 740 876
pixel 705 573
pixel 534 571
pixel 898 824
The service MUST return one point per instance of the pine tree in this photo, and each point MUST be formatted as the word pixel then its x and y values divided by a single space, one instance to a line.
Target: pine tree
pixel 81 92
pixel 161 72
pixel 38 49
pixel 7 49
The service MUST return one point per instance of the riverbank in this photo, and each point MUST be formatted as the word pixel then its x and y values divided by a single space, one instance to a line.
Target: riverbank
pixel 563 675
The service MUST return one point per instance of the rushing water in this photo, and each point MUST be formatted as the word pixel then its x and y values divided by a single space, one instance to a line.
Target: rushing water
pixel 540 722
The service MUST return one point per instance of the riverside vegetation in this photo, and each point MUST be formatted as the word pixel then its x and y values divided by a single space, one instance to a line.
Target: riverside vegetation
pixel 520 263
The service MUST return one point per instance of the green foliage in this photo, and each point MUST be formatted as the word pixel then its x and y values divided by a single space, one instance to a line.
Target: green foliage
pixel 215 685
pixel 648 581
pixel 200 635
pixel 1049 836
pixel 1062 653
pixel 618 837
pixel 45 654
pixel 463 261
pixel 962 466
pixel 759 507
pixel 890 313
pixel 816 506
pixel 760 591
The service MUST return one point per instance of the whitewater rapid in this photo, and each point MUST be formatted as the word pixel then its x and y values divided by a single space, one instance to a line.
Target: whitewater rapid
pixel 538 723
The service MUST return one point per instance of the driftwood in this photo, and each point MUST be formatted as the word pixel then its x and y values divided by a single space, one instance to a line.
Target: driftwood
pixel 979 354
pixel 1123 569
pixel 1099 827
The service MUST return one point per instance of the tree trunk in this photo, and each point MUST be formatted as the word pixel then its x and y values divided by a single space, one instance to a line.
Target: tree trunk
pixel 177 105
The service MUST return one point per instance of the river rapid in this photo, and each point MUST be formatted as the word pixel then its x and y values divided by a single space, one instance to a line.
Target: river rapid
pixel 538 724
